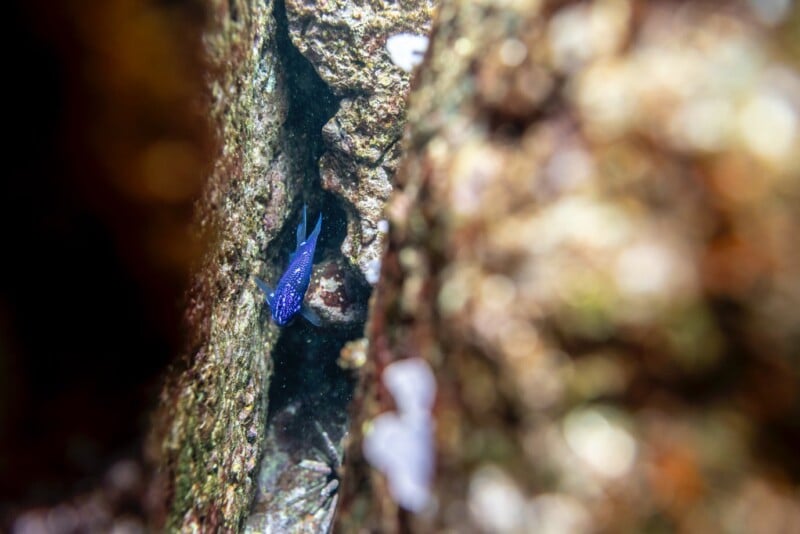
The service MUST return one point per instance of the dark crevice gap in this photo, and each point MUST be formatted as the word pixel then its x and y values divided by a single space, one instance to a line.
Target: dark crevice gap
pixel 233 10
pixel 310 105
pixel 309 388
pixel 311 102
pixel 309 393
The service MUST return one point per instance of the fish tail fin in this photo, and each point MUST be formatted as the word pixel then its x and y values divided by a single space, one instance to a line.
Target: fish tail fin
pixel 266 289
pixel 301 228
pixel 317 227
pixel 310 315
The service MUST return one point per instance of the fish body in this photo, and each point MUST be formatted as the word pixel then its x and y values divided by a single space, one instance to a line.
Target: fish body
pixel 286 300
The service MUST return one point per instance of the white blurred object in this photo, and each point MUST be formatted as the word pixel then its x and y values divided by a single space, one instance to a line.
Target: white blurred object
pixel 400 445
pixel 495 502
pixel 407 50
pixel 412 385
pixel 373 272
pixel 604 444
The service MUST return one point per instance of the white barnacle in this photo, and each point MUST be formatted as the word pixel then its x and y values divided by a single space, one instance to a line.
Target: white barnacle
pixel 406 50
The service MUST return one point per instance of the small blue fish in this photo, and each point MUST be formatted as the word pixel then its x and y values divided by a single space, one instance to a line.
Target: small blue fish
pixel 286 300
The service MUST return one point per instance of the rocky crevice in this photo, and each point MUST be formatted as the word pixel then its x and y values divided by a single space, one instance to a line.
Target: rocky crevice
pixel 308 392
pixel 227 438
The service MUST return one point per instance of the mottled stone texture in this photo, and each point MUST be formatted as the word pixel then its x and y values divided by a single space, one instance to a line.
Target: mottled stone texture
pixel 337 294
pixel 592 242
pixel 278 72
pixel 213 413
pixel 345 41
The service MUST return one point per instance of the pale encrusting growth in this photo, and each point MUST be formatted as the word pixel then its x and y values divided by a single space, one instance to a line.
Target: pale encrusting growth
pixel 407 50
pixel 400 444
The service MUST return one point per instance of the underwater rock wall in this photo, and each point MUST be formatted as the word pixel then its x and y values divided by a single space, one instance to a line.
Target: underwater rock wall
pixel 345 40
pixel 279 72
pixel 213 413
pixel 590 243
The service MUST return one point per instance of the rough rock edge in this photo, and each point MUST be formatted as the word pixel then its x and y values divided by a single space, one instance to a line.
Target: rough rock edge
pixel 210 427
pixel 345 41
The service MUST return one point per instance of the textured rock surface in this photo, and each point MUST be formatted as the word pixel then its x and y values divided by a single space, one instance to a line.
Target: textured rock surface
pixel 214 413
pixel 590 245
pixel 270 107
pixel 345 41
pixel 214 444
pixel 336 294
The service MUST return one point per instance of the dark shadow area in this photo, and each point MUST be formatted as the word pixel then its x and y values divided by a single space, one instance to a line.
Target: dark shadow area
pixel 309 388
pixel 311 102
pixel 90 282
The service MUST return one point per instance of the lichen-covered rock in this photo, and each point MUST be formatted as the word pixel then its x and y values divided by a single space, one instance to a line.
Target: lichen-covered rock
pixel 212 420
pixel 345 41
pixel 590 244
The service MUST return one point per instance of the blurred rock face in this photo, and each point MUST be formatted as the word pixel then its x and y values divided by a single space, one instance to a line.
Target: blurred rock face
pixel 592 242
pixel 108 152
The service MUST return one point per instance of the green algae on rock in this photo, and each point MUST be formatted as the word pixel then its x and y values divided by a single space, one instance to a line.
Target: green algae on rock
pixel 212 417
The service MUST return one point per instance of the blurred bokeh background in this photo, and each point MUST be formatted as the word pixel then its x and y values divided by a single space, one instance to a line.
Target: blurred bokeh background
pixel 594 243
pixel 108 149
